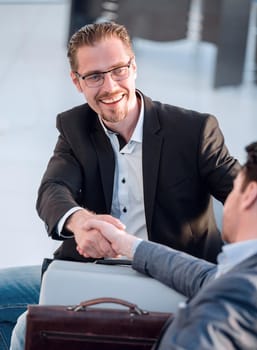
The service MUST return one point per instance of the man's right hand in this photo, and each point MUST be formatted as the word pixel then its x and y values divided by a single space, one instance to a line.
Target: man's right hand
pixel 121 241
pixel 90 242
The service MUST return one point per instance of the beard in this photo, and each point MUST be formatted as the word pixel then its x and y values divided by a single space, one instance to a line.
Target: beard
pixel 114 115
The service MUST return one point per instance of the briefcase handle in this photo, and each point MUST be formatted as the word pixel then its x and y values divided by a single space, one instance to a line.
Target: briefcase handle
pixel 133 308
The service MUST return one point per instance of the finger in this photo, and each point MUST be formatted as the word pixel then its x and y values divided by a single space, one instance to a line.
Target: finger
pixel 110 232
pixel 106 248
pixel 94 245
pixel 80 251
pixel 88 245
pixel 85 255
pixel 112 220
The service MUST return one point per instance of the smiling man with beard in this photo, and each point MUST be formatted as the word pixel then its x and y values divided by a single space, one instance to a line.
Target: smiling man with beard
pixel 126 160
pixel 130 160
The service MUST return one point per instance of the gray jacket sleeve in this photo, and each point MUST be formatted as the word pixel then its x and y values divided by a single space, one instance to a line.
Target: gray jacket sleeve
pixel 221 316
pixel 221 313
pixel 177 270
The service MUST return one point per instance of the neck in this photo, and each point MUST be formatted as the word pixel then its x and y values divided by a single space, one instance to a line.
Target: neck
pixel 126 127
pixel 247 229
pixel 246 235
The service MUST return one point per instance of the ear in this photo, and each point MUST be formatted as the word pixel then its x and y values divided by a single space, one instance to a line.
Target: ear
pixel 76 81
pixel 250 195
pixel 134 66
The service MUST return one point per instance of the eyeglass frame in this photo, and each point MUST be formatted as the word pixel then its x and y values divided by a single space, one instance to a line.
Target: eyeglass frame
pixel 102 74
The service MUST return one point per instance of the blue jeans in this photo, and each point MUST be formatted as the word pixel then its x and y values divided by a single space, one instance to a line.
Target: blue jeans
pixel 19 286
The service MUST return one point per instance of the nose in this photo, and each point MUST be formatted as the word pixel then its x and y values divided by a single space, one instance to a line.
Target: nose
pixel 109 83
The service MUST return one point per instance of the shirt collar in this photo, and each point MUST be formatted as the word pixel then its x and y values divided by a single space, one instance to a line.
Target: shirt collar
pixel 234 253
pixel 137 135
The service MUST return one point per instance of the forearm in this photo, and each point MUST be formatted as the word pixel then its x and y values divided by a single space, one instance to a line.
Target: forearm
pixel 177 270
pixel 61 186
pixel 53 202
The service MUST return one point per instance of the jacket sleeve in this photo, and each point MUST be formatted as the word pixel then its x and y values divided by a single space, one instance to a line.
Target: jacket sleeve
pixel 222 316
pixel 61 185
pixel 180 271
pixel 222 312
pixel 216 166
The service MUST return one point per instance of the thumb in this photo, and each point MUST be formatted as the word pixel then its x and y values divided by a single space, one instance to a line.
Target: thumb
pixel 110 232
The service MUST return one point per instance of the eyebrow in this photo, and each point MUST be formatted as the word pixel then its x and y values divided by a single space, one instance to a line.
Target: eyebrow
pixel 117 65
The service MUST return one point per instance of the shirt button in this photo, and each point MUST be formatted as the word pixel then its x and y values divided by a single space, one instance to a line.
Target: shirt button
pixel 124 210
pixel 123 180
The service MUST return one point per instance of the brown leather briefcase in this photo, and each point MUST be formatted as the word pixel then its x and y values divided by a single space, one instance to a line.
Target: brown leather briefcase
pixel 88 327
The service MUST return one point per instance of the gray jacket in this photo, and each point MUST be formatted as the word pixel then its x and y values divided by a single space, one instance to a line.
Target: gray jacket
pixel 220 314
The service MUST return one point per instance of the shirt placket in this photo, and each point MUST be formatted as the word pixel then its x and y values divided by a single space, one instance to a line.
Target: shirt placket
pixel 123 180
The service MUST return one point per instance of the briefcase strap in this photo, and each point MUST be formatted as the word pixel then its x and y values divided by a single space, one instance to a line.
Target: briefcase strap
pixel 133 308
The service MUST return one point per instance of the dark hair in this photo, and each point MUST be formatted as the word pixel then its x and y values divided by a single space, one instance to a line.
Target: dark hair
pixel 92 33
pixel 250 166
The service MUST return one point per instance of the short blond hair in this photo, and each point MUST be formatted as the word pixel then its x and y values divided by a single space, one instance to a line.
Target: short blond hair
pixel 92 33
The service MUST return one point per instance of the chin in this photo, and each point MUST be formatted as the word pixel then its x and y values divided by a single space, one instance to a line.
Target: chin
pixel 113 118
pixel 225 237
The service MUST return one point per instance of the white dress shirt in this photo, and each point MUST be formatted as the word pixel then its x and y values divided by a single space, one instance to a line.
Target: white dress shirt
pixel 234 253
pixel 128 197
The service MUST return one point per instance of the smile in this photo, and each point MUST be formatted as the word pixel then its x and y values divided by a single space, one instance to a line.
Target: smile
pixel 113 99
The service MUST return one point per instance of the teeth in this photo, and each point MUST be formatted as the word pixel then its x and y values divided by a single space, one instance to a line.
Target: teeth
pixel 113 99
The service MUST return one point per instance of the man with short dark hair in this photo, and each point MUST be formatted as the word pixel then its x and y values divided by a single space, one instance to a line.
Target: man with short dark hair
pixel 221 312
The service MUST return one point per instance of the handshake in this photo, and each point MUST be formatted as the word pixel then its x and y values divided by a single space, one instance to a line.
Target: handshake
pixel 100 236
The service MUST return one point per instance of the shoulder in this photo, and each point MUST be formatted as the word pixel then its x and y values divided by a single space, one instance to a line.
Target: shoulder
pixel 237 287
pixel 224 311
pixel 76 111
pixel 178 116
pixel 76 117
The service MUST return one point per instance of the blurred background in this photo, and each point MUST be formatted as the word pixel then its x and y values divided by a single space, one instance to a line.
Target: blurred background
pixel 198 54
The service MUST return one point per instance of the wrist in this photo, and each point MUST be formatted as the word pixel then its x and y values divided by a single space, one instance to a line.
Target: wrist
pixel 77 219
pixel 128 245
pixel 134 246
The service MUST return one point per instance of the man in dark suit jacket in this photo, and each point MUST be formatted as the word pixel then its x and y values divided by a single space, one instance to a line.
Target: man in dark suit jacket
pixel 221 311
pixel 183 157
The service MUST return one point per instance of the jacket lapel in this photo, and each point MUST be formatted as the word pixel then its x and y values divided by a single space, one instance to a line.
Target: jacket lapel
pixel 106 161
pixel 152 145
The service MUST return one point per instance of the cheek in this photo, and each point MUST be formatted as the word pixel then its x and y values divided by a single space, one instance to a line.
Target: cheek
pixel 231 208
pixel 228 206
pixel 227 224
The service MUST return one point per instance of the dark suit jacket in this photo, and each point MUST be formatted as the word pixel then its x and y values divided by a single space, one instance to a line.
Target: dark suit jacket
pixel 220 314
pixel 184 162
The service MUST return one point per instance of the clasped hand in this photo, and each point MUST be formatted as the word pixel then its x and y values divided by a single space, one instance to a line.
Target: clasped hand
pixel 99 236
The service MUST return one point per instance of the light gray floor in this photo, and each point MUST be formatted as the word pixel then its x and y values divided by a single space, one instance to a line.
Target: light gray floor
pixel 35 86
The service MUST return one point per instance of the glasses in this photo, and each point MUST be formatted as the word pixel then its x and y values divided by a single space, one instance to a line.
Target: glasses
pixel 97 79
